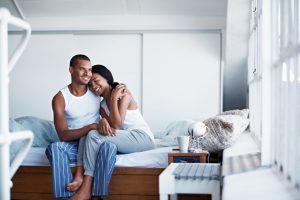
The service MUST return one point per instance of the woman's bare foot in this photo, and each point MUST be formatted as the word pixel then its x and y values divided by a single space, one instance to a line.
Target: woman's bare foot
pixel 75 184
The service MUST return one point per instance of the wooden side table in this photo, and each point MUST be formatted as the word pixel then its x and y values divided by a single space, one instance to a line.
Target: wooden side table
pixel 179 157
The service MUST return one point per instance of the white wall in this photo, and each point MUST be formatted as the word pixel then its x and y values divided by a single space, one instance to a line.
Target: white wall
pixel 121 53
pixel 173 75
pixel 181 77
pixel 43 68
pixel 39 74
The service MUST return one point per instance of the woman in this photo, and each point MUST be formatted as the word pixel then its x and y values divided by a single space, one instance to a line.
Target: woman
pixel 122 129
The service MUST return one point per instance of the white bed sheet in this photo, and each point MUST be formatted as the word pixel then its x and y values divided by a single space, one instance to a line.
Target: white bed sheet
pixel 155 158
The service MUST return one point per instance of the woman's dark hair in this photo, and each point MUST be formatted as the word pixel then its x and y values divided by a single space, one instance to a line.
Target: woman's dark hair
pixel 105 73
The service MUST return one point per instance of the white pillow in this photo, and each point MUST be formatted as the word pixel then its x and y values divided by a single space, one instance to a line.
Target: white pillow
pixel 174 129
pixel 197 129
pixel 178 128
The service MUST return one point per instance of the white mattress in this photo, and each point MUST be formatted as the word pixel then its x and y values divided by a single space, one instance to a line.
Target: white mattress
pixel 156 158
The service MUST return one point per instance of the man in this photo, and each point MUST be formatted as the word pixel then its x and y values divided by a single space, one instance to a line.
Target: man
pixel 76 112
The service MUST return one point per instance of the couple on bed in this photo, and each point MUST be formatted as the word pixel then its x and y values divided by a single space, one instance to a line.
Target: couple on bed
pixel 93 131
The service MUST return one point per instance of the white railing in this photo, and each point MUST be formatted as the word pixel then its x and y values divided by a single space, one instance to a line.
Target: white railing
pixel 6 65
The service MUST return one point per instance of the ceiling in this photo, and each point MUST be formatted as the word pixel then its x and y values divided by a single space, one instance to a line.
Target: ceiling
pixel 28 9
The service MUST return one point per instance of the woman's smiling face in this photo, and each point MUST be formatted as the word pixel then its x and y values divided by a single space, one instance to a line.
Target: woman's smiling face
pixel 98 84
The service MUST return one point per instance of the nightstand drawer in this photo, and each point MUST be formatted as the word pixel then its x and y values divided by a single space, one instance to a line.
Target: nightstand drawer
pixel 178 157
pixel 186 159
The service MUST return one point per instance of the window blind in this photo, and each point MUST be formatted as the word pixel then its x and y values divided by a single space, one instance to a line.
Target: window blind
pixel 285 83
pixel 285 90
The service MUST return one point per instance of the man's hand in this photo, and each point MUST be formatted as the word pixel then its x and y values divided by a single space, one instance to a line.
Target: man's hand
pixel 94 126
pixel 105 129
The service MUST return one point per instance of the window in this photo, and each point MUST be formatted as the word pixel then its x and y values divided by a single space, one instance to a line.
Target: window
pixel 254 70
pixel 280 39
pixel 286 89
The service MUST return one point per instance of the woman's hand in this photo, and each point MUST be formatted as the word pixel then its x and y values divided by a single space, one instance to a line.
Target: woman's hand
pixel 118 92
pixel 105 129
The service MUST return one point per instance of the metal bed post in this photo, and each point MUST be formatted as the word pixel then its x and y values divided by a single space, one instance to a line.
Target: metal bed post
pixel 7 170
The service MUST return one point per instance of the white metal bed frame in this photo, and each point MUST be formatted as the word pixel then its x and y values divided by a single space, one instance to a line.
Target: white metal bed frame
pixel 7 170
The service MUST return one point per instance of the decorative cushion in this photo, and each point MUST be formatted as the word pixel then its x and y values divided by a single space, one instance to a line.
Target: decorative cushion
pixel 243 113
pixel 222 131
pixel 239 123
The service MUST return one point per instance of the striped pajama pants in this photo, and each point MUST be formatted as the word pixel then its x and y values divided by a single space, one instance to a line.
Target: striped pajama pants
pixel 62 154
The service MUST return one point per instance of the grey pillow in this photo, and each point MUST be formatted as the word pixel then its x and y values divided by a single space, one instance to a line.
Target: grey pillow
pixel 43 130
pixel 17 145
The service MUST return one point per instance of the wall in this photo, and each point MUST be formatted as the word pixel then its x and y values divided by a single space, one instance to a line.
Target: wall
pixel 185 52
pixel 181 76
pixel 43 68
pixel 174 75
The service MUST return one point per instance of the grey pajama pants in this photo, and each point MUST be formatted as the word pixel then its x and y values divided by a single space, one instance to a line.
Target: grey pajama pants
pixel 125 141
pixel 99 154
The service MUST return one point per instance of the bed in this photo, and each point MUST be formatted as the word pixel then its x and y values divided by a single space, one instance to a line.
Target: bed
pixel 135 175
pixel 134 178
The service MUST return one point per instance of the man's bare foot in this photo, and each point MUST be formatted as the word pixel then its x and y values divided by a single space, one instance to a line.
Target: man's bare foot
pixel 81 195
pixel 75 184
pixel 85 190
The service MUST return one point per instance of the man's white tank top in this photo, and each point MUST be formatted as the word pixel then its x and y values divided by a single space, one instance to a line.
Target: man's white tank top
pixel 81 111
pixel 133 120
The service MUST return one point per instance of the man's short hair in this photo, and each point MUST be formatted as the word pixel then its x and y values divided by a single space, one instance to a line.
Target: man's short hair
pixel 74 60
